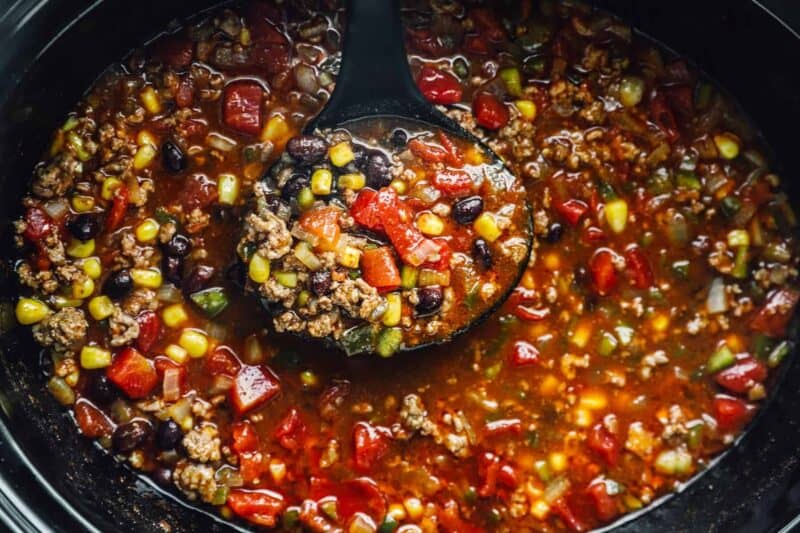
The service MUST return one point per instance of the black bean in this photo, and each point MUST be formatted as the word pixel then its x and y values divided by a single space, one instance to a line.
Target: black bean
pixel 100 389
pixel 430 300
pixel 118 284
pixel 236 273
pixel 168 435
pixel 361 154
pixel 307 149
pixel 198 279
pixel 84 226
pixel 482 253
pixel 162 476
pixel 172 157
pixel 178 246
pixel 378 170
pixel 293 187
pixel 172 269
pixel 320 282
pixel 468 209
pixel 399 138
pixel 128 436
pixel 554 233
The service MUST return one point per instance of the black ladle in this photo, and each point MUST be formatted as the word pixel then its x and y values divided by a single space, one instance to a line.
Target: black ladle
pixel 375 83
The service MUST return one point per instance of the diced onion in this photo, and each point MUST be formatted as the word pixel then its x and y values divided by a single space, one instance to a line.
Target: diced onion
pixel 556 489
pixel 220 383
pixel 220 142
pixel 717 300
pixel 169 293
pixel 172 384
pixel 306 78
pixel 253 353
pixel 216 330
pixel 57 208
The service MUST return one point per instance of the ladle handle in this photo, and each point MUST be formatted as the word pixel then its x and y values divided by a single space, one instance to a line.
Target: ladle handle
pixel 374 78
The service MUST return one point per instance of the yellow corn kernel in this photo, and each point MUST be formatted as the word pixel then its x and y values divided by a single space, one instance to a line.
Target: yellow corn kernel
pixel 394 309
pixel 474 156
pixel 187 423
pixel 258 269
pixel 549 385
pixel 228 189
pixel 526 108
pixel 174 315
pixel 735 343
pixel 245 37
pixel 660 322
pixel 30 311
pixel 321 181
pixel 145 137
pixel 399 186
pixel 109 186
pixel 354 181
pixel 414 508
pixel 397 511
pixel 540 509
pixel 593 400
pixel 194 342
pixel 738 237
pixel 149 278
pixel 552 261
pixel 144 156
pixel 150 100
pixel 727 145
pixel 93 357
pixel 82 203
pixel 430 224
pixel 341 154
pixel 83 289
pixel 176 353
pixel 92 267
pixel 277 469
pixel 276 130
pixel 616 213
pixel 348 256
pixel 557 461
pixel 80 249
pixel 147 230
pixel 60 302
pixel 101 307
pixel 582 418
pixel 581 334
pixel 486 226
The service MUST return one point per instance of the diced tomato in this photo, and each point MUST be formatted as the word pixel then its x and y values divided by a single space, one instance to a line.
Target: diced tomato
pixel 223 360
pixel 505 426
pixel 663 117
pixel 454 156
pixel 489 112
pixel 260 506
pixel 371 207
pixel 184 94
pixel 521 295
pixel 604 274
pixel 524 353
pixel 743 375
pixel 172 384
pixel 531 314
pixel 175 50
pixel 253 386
pixel 119 206
pixel 445 254
pixel 360 495
pixel 563 510
pixel 270 49
pixel 439 87
pixel 454 182
pixel 241 106
pixel 604 444
pixel 775 314
pixel 487 23
pixel 427 152
pixel 133 373
pixel 323 222
pixel 593 235
pixel 149 330
pixel 572 210
pixel 638 268
pixel 730 412
pixel 413 247
pixel 494 473
pixel 251 466
pixel 198 191
pixel 379 269
pixel 476 44
pixel 430 43
pixel 93 422
pixel 38 224
pixel 605 505
pixel 370 445
pixel 245 437
pixel 291 431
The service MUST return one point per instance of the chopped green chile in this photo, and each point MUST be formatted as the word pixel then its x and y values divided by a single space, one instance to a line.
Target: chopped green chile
pixel 211 301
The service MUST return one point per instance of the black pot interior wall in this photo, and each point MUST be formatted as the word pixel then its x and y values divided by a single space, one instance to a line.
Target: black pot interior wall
pixel 749 52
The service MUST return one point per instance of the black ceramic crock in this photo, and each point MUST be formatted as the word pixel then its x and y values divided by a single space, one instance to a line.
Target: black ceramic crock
pixel 51 479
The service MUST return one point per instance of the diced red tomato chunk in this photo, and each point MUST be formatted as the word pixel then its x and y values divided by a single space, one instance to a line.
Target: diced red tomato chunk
pixel 379 269
pixel 245 437
pixel 133 373
pixel 605 505
pixel 773 317
pixel 439 87
pixel 241 106
pixel 604 444
pixel 149 330
pixel 740 377
pixel 572 210
pixel 370 444
pixel 524 353
pixel 37 224
pixel 603 271
pixel 119 206
pixel 454 182
pixel 260 506
pixel 253 386
pixel 93 422
pixel 323 223
pixel 291 430
pixel 490 112
pixel 638 268
pixel 222 360
pixel 730 412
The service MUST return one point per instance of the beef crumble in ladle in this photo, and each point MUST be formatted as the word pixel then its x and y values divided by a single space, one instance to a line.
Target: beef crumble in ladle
pixel 375 86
